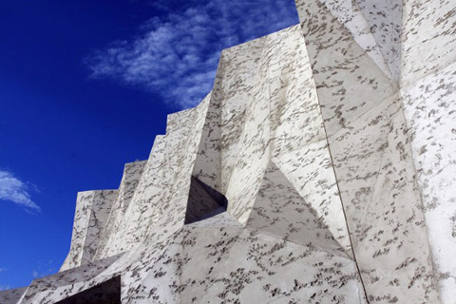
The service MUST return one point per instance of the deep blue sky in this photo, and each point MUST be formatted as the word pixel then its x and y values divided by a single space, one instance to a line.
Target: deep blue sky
pixel 85 85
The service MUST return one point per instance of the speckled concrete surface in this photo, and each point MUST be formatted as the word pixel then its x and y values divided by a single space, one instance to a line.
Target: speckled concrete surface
pixel 320 169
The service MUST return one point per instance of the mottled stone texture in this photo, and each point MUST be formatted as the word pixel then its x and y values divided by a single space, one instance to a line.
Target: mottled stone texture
pixel 320 169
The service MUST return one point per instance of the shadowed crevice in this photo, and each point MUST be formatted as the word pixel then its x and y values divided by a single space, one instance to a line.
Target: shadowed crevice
pixel 105 293
pixel 203 202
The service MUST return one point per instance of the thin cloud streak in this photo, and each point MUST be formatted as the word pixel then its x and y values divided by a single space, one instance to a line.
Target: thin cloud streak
pixel 176 55
pixel 4 287
pixel 14 190
pixel 44 269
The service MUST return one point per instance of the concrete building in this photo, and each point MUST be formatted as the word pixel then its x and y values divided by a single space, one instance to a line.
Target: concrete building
pixel 321 168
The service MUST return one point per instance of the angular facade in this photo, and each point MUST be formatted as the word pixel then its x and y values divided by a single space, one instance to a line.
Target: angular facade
pixel 321 168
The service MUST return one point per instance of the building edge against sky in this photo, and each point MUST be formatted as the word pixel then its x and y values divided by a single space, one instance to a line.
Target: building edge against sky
pixel 333 144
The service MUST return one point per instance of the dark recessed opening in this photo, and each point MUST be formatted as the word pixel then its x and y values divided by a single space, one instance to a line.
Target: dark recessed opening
pixel 203 202
pixel 105 293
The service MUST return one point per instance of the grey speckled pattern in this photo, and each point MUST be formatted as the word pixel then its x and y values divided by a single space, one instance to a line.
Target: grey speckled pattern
pixel 430 109
pixel 92 212
pixel 392 165
pixel 320 169
pixel 11 296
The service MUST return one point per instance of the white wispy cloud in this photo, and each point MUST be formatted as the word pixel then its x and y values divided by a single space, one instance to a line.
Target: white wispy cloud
pixel 44 269
pixel 14 190
pixel 3 287
pixel 176 55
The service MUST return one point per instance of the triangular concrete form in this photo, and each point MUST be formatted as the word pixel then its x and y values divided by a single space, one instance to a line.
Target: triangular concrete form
pixel 130 179
pixel 351 17
pixel 245 266
pixel 385 22
pixel 348 81
pixel 280 211
pixel 203 202
pixel 92 212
